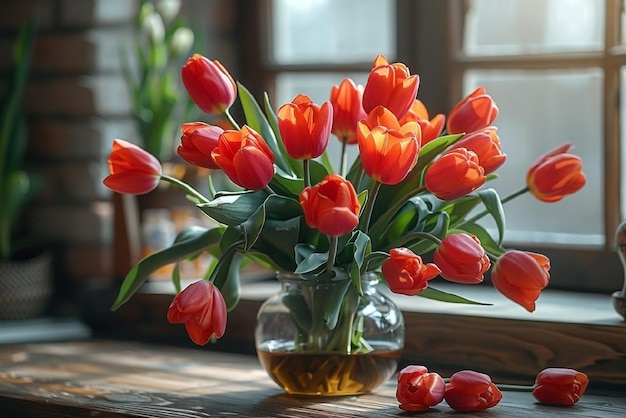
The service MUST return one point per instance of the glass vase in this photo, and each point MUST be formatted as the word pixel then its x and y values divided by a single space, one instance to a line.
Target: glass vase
pixel 324 338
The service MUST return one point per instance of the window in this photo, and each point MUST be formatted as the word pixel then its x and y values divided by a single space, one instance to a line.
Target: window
pixel 553 67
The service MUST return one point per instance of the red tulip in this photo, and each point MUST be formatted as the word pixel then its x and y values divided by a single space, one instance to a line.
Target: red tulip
pixel 455 174
pixel 201 307
pixel 245 158
pixel 521 276
pixel 133 170
pixel 197 142
pixel 555 175
pixel 347 101
pixel 462 259
pixel 475 112
pixel 418 390
pixel 391 86
pixel 331 206
pixel 559 386
pixel 431 128
pixel 486 144
pixel 405 273
pixel 388 150
pixel 305 127
pixel 208 84
pixel 470 391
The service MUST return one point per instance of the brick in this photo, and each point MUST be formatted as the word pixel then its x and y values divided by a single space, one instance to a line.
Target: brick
pixel 87 13
pixel 14 14
pixel 77 139
pixel 95 95
pixel 76 224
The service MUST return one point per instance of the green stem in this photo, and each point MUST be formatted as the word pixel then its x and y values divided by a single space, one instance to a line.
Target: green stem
pixel 504 200
pixel 344 158
pixel 332 254
pixel 190 190
pixel 232 121
pixel 307 172
pixel 211 185
pixel 5 239
pixel 369 207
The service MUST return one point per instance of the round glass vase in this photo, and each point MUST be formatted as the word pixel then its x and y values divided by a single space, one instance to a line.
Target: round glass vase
pixel 322 338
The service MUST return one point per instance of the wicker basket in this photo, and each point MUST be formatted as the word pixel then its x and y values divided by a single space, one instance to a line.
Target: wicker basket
pixel 25 287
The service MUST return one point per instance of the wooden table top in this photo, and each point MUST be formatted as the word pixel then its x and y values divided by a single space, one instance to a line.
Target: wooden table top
pixel 123 379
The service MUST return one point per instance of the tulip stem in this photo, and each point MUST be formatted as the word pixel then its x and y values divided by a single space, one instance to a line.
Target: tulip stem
pixel 211 185
pixel 343 162
pixel 503 201
pixel 307 172
pixel 190 190
pixel 232 121
pixel 332 253
pixel 369 207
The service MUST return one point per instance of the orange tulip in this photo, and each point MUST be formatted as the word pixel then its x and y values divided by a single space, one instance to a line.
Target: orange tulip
pixel 388 150
pixel 462 259
pixel 245 158
pixel 418 390
pixel 305 127
pixel 486 144
pixel 208 84
pixel 560 386
pixel 405 273
pixel 197 142
pixel 347 101
pixel 133 170
pixel 390 85
pixel 331 206
pixel 470 391
pixel 521 276
pixel 455 174
pixel 201 307
pixel 555 175
pixel 473 113
pixel 431 128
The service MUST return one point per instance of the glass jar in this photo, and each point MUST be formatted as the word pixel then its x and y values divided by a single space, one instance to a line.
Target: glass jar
pixel 322 338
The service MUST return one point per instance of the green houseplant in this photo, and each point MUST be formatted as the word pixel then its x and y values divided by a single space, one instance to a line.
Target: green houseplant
pixel 25 271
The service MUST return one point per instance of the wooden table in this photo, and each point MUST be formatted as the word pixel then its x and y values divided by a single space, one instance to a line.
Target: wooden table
pixel 123 379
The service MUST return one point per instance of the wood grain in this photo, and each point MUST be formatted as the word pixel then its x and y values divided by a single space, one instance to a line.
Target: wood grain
pixel 123 379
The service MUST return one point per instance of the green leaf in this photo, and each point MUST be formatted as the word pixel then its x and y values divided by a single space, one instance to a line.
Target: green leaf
pixel 189 242
pixel 493 204
pixel 234 208
pixel 252 227
pixel 434 294
pixel 333 301
pixel 257 121
pixel 226 277
pixel 312 265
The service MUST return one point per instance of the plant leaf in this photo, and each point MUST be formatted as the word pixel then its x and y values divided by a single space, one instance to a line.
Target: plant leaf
pixel 434 294
pixel 189 242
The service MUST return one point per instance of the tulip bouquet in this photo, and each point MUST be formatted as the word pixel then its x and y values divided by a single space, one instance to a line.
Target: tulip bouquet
pixel 416 189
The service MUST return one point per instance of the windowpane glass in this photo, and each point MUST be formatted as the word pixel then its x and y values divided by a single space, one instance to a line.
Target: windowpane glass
pixel 332 31
pixel 508 27
pixel 317 86
pixel 540 110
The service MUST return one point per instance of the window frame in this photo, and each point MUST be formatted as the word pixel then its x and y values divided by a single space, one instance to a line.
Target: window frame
pixel 440 64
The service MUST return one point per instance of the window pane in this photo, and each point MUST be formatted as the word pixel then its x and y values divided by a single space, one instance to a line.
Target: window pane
pixel 538 111
pixel 507 27
pixel 317 86
pixel 325 31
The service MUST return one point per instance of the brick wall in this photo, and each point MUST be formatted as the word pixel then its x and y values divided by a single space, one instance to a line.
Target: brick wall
pixel 76 103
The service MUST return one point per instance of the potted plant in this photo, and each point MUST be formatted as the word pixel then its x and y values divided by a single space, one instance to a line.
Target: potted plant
pixel 24 272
